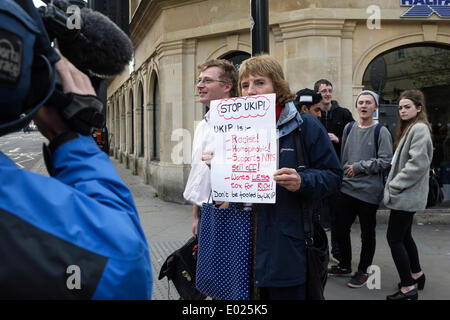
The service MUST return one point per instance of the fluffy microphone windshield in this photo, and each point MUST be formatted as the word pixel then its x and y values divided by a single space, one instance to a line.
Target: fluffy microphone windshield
pixel 103 49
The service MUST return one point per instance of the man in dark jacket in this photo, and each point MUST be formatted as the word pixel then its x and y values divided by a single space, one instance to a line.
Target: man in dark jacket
pixel 334 118
pixel 280 255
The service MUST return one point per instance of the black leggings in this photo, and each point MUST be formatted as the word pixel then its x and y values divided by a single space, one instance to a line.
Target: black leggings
pixel 403 248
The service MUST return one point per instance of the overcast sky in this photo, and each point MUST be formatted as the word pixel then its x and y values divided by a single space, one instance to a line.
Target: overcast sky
pixel 38 3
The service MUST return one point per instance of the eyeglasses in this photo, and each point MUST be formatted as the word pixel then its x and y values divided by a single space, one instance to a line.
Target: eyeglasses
pixel 207 81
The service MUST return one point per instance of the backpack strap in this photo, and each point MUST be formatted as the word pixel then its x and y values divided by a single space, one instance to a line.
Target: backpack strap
pixel 349 128
pixel 299 149
pixel 376 136
pixel 307 228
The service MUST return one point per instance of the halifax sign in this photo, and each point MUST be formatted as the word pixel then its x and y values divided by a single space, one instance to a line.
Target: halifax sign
pixel 425 8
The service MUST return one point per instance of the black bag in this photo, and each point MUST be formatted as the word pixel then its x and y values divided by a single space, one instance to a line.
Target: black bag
pixel 435 195
pixel 317 251
pixel 317 261
pixel 180 267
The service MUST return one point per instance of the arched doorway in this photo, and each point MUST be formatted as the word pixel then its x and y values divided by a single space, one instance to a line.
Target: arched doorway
pixel 236 57
pixel 116 131
pixel 123 125
pixel 131 122
pixel 140 113
pixel 156 121
pixel 426 67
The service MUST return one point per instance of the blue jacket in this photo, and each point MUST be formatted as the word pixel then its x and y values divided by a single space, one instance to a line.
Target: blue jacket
pixel 280 245
pixel 75 235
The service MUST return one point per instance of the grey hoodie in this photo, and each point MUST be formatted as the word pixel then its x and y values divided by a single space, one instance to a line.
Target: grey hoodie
pixel 358 149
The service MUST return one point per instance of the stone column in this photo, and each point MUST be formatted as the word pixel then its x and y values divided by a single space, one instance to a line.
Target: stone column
pixel 347 66
pixel 313 50
pixel 176 61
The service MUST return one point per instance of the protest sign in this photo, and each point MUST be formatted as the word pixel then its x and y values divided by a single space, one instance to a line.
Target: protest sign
pixel 245 155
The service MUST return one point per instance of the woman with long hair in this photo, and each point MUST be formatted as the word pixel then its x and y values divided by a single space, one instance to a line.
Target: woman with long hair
pixel 406 190
pixel 280 255
pixel 280 261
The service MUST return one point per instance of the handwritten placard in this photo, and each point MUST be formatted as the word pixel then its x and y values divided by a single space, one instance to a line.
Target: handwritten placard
pixel 245 156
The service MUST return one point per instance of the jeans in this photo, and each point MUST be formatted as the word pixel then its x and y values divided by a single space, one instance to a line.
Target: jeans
pixel 348 209
pixel 403 248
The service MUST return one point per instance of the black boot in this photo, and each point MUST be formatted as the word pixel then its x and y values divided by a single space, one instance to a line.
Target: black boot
pixel 420 281
pixel 399 295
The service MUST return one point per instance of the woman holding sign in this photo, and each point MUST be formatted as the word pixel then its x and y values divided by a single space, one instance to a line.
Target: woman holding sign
pixel 280 265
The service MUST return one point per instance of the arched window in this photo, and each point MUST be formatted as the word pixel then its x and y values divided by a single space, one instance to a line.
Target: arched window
pixel 236 57
pixel 122 124
pixel 156 121
pixel 425 67
pixel 141 120
pixel 116 131
pixel 131 123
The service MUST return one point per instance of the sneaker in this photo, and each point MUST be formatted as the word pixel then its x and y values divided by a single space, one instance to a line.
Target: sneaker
pixel 339 272
pixel 358 280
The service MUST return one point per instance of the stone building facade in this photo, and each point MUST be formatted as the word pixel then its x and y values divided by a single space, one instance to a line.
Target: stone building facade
pixel 153 108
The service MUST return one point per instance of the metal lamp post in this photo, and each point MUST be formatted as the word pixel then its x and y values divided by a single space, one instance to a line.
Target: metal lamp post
pixel 259 26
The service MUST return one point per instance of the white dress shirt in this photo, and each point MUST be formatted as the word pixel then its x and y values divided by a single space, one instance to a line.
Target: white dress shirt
pixel 198 186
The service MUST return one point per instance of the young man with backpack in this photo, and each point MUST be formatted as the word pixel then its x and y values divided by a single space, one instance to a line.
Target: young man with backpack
pixel 366 153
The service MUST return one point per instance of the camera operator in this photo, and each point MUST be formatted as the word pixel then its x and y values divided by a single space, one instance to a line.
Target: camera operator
pixel 75 234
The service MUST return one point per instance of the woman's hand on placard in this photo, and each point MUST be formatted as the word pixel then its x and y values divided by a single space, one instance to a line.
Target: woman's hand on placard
pixel 288 178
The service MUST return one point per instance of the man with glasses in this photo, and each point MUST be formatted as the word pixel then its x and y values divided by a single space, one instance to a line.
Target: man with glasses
pixel 217 80
pixel 334 118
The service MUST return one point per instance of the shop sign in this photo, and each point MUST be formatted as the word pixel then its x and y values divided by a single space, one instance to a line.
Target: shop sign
pixel 426 8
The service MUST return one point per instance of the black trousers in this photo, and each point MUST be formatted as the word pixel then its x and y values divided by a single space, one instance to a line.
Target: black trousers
pixel 348 209
pixel 327 211
pixel 403 248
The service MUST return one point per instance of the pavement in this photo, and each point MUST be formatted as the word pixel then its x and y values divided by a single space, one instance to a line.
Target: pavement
pixel 167 227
